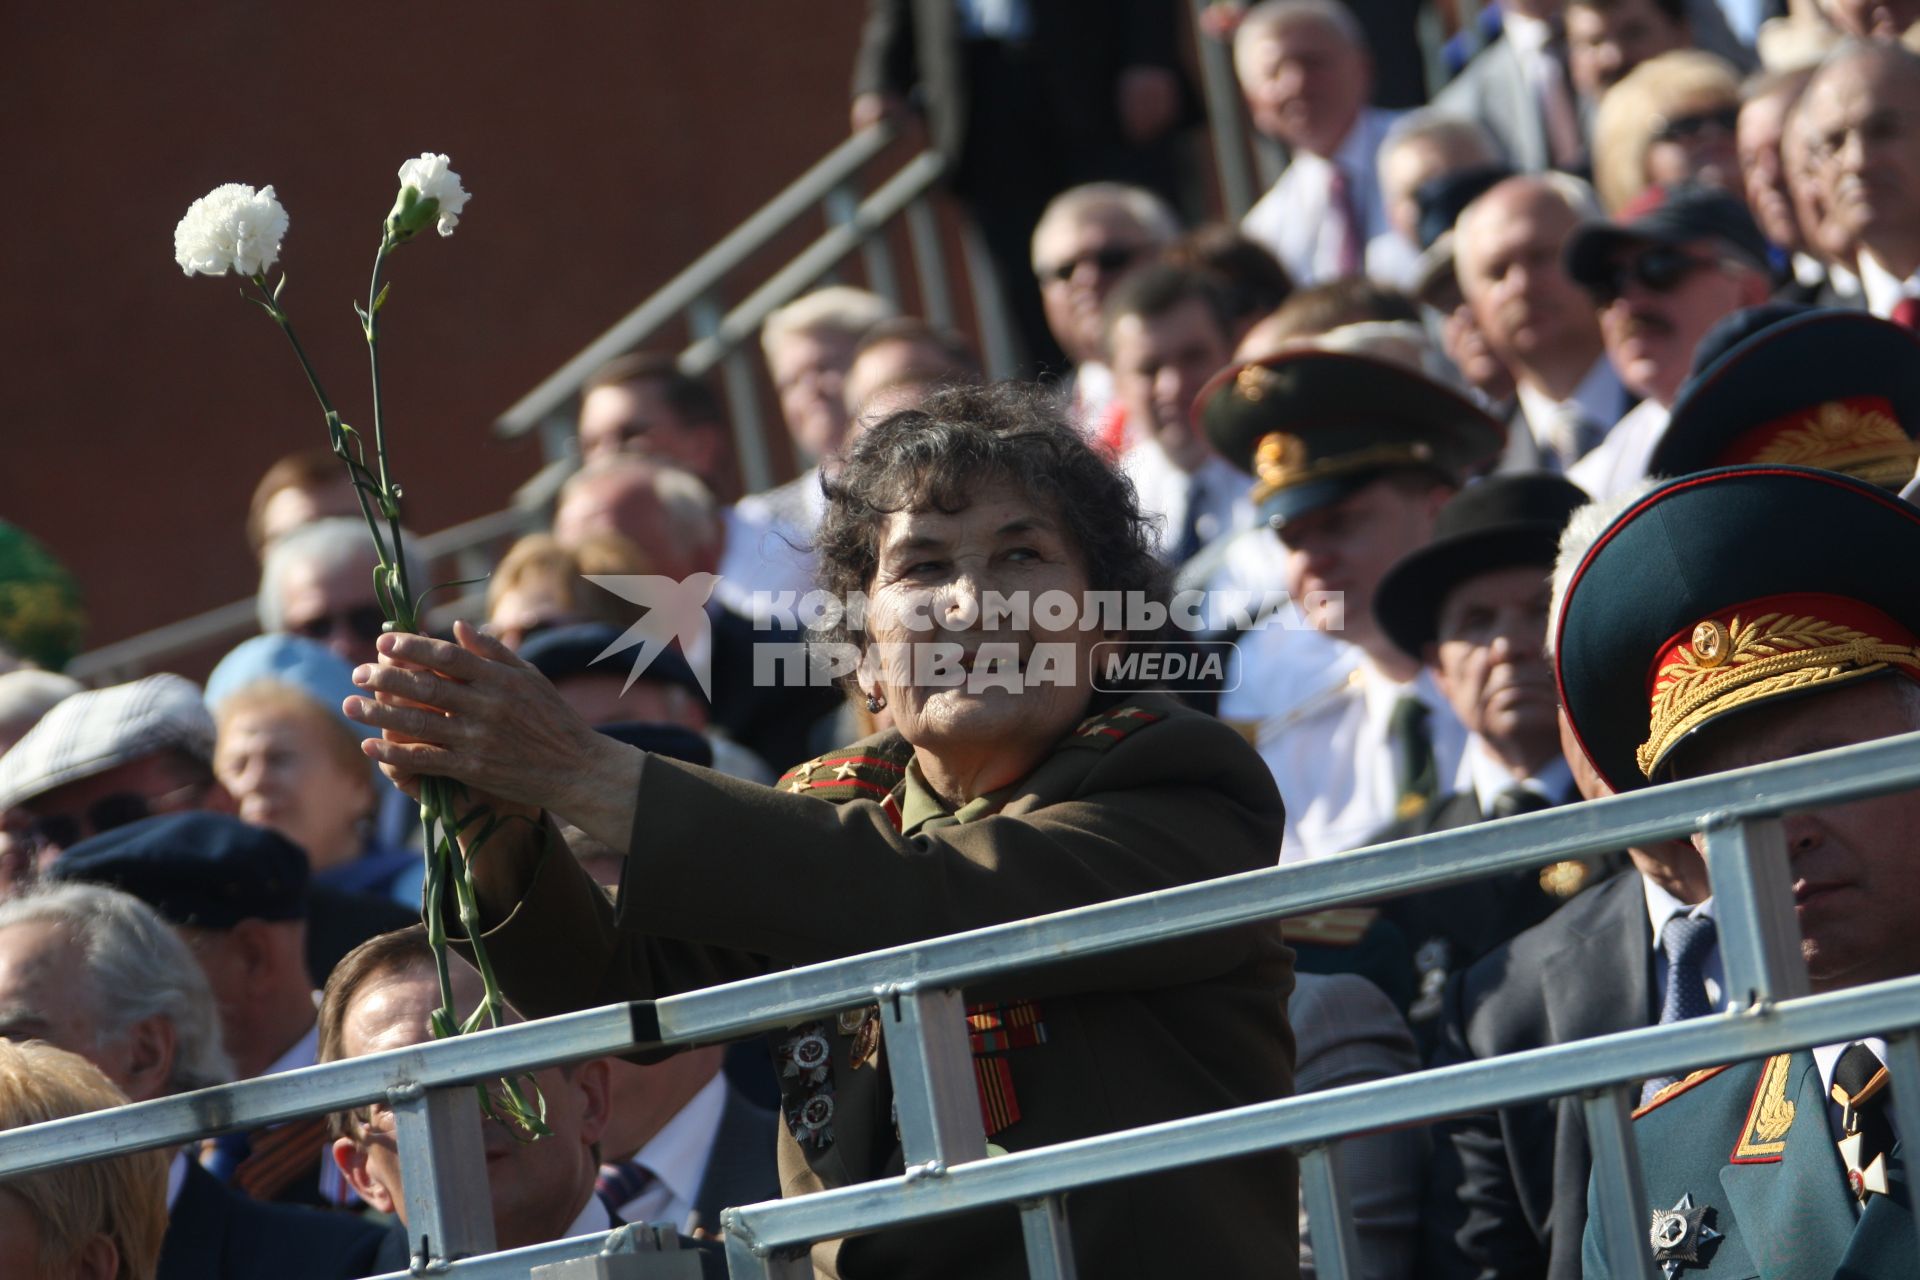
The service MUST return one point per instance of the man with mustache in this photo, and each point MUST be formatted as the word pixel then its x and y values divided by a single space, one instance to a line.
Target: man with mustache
pixel 1675 262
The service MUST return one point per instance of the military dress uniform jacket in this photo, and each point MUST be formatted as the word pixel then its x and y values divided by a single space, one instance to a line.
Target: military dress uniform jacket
pixel 1752 1147
pixel 726 879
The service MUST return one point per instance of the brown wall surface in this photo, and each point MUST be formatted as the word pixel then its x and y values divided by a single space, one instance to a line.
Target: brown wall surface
pixel 605 144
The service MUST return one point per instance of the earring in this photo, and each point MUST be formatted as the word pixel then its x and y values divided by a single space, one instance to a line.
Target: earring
pixel 875 704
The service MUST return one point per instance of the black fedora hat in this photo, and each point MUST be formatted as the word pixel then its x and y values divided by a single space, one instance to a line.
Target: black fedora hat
pixel 1823 388
pixel 1312 426
pixel 1501 522
pixel 1727 590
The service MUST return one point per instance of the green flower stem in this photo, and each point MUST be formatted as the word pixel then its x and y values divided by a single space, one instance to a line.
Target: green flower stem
pixel 440 820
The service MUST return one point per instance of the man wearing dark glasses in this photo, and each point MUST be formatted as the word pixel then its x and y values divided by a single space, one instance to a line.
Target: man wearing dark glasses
pixel 317 582
pixel 101 759
pixel 1675 262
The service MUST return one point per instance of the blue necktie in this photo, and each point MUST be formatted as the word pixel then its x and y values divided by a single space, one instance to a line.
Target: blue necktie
pixel 1688 941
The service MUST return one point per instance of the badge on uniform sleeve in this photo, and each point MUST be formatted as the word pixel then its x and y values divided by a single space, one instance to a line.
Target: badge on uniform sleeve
pixel 1679 1234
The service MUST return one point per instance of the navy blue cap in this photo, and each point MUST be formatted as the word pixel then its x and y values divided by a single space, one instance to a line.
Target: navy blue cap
pixel 579 649
pixel 209 870
pixel 1676 215
pixel 1440 199
pixel 662 740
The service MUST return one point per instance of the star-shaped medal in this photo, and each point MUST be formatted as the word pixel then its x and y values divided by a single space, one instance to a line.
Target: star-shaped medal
pixel 1865 1180
pixel 1679 1234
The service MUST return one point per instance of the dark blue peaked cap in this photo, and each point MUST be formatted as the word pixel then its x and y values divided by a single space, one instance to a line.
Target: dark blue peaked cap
pixel 209 870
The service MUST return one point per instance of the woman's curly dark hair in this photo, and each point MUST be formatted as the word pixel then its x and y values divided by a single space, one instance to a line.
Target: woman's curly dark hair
pixel 937 457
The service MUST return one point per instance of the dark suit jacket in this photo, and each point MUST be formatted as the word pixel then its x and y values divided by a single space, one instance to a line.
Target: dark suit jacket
pixel 1778 1199
pixel 1508 1192
pixel 396 1248
pixel 1449 928
pixel 339 921
pixel 742 1169
pixel 217 1234
pixel 768 719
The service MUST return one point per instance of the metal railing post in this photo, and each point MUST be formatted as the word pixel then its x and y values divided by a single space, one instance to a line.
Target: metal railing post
pixel 842 207
pixel 443 1172
pixel 1049 1240
pixel 745 1264
pixel 1336 1253
pixel 930 264
pixel 1619 1194
pixel 1753 901
pixel 704 317
pixel 934 1088
pixel 990 312
pixel 1220 87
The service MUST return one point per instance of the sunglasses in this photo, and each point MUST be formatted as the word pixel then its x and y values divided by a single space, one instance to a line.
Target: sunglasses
pixel 64 830
pixel 365 622
pixel 1107 261
pixel 1687 128
pixel 1657 270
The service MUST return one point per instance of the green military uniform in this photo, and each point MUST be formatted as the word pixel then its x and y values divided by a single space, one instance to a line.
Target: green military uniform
pixel 1749 1148
pixel 727 879
pixel 1715 594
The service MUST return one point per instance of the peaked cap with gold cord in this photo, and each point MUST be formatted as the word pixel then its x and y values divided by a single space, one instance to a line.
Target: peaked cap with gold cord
pixel 1833 389
pixel 1313 426
pixel 1729 590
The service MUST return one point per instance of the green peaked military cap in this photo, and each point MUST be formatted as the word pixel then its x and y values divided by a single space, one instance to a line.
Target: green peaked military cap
pixel 1727 590
pixel 1312 426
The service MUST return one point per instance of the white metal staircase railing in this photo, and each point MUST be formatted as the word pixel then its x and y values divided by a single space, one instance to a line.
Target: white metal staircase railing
pixel 918 988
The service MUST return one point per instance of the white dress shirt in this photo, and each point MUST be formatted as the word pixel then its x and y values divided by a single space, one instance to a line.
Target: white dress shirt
pixel 1662 907
pixel 1620 461
pixel 677 1156
pixel 592 1219
pixel 1597 399
pixel 1491 779
pixel 1294 219
pixel 1333 760
pixel 769 543
pixel 1884 289
pixel 1166 491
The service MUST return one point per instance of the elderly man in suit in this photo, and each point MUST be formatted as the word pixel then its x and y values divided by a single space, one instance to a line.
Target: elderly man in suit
pixel 1306 71
pixel 1693 639
pixel 1472 606
pixel 95 971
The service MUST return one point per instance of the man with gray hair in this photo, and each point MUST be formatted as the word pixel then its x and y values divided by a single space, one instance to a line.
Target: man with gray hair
pixel 1420 150
pixel 1087 239
pixel 96 972
pixel 1306 71
pixel 1860 109
pixel 317 582
pixel 671 518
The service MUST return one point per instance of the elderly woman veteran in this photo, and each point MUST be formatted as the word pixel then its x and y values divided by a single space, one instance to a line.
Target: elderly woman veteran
pixel 985 803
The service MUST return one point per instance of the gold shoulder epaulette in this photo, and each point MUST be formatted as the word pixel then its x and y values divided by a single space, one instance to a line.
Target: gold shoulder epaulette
pixel 1099 732
pixel 1677 1088
pixel 847 774
pixel 1334 927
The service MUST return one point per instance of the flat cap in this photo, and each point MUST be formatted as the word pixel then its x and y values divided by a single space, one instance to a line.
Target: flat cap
pixel 578 649
pixel 90 733
pixel 209 870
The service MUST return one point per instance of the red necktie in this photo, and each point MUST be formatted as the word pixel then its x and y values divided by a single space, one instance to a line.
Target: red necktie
pixel 1906 312
pixel 1348 252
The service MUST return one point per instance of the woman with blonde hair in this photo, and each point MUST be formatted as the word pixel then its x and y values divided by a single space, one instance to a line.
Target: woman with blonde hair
pixel 102 1220
pixel 1669 121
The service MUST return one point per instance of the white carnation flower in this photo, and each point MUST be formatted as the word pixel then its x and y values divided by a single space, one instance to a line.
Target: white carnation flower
pixel 231 228
pixel 434 180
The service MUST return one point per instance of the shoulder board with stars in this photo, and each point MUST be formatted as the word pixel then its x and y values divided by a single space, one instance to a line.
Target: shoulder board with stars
pixel 1677 1088
pixel 868 771
pixel 1099 732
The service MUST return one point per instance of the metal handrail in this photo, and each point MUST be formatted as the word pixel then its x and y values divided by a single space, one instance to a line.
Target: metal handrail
pixel 1736 809
pixel 700 278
